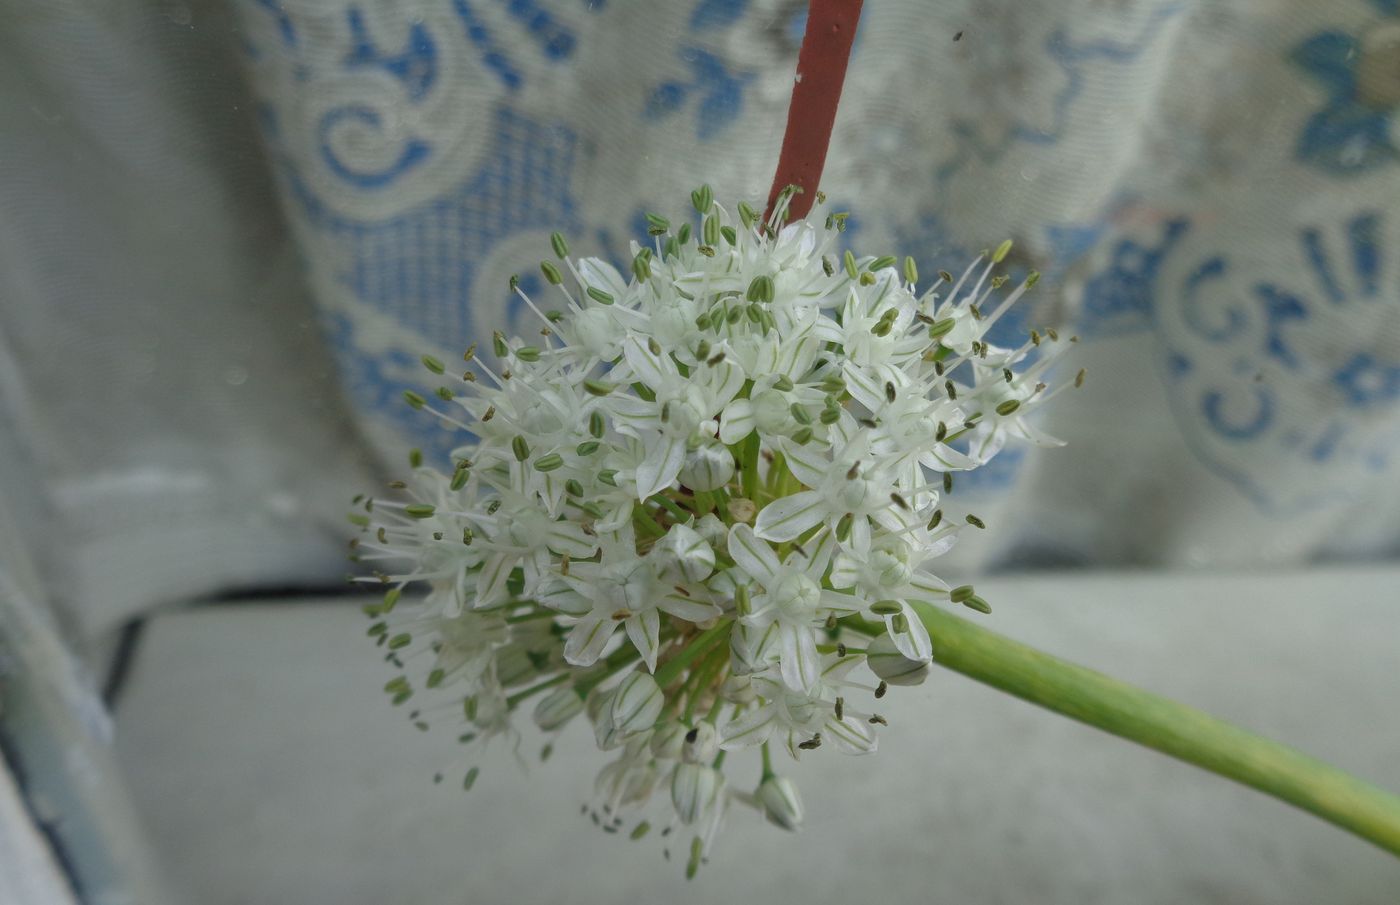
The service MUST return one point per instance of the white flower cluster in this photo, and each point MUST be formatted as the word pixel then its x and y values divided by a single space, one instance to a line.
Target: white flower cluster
pixel 702 501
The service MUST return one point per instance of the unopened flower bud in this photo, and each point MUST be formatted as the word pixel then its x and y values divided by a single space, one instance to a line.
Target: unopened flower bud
pixel 557 708
pixel 693 788
pixel 701 744
pixel 637 703
pixel 684 554
pixel 889 664
pixel 778 799
pixel 707 467
pixel 738 689
pixel 667 742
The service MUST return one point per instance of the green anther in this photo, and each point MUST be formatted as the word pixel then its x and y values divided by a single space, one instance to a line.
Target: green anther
pixel 867 278
pixel 432 364
pixel 882 328
pixel 470 779
pixel 415 458
pixel 911 271
pixel 435 678
pixel 397 684
pixel 551 273
pixel 419 510
pixel 587 447
pixel 702 322
pixel 391 597
pixel 1002 250
pixel 886 607
pixel 459 479
pixel 400 641
pixel 573 488
pixel 593 509
pixel 848 261
pixel 709 230
pixel 830 416
pixel 520 448
pixel 754 312
pixel 702 349
pixel 597 425
pixel 599 296
pixel 747 215
pixel 936 520
pixel 377 629
pixel 882 262
pixel 1032 278
pixel 641 268
pixel 975 522
pixel 608 476
pixel 1008 407
pixel 760 289
pixel 828 268
pixel 977 603
pixel 730 234
pixel 783 384
pixel 414 399
pixel 445 394
pixel 528 353
pixel 549 462
pixel 641 830
pixel 654 221
pixel 1079 378
pixel 947 482
pixel 800 414
pixel 961 593
pixel 900 623
pixel 741 600
pixel 498 344
pixel 802 437
pixel 683 234
pixel 561 248
pixel 999 280
pixel 843 527
pixel 670 248
pixel 833 383
pixel 357 519
pixel 702 198
pixel 515 282
pixel 653 346
pixel 697 850
pixel 597 387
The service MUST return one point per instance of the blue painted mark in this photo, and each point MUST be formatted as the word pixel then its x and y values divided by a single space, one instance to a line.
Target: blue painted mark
pixel 1212 406
pixel 491 54
pixel 414 151
pixel 556 41
pixel 1193 308
pixel 1349 135
pixel 415 66
pixel 720 92
pixel 1279 308
pixel 717 13
pixel 997 475
pixel 1363 234
pixel 285 27
pixel 1367 382
pixel 1118 299
pixel 1321 265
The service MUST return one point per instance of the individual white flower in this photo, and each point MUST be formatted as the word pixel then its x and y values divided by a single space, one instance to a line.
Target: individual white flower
pixel 791 603
pixel 804 717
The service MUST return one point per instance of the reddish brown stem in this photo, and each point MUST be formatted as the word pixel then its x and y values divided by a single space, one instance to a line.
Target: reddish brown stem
pixel 821 71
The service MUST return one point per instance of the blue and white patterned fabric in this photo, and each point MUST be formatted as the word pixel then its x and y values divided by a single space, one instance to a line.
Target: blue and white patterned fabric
pixel 1209 188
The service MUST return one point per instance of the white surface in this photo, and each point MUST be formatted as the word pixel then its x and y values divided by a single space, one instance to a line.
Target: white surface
pixel 271 770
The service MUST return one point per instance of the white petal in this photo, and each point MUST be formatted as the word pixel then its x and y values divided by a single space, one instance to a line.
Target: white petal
pixel 807 464
pixel 569 538
pixel 787 518
pixel 722 382
pixel 644 630
pixel 491 580
pixel 737 421
pixel 851 736
pixel 752 555
pixel 913 642
pixel 652 370
pixel 587 639
pixel 687 608
pixel 749 730
pixel 665 454
pixel 799 662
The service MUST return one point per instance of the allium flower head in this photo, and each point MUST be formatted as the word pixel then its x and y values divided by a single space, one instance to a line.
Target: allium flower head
pixel 698 506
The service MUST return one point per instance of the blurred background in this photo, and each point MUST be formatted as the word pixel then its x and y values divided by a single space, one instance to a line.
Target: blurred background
pixel 229 229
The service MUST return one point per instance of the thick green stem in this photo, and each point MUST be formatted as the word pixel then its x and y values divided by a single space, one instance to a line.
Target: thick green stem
pixel 1164 725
